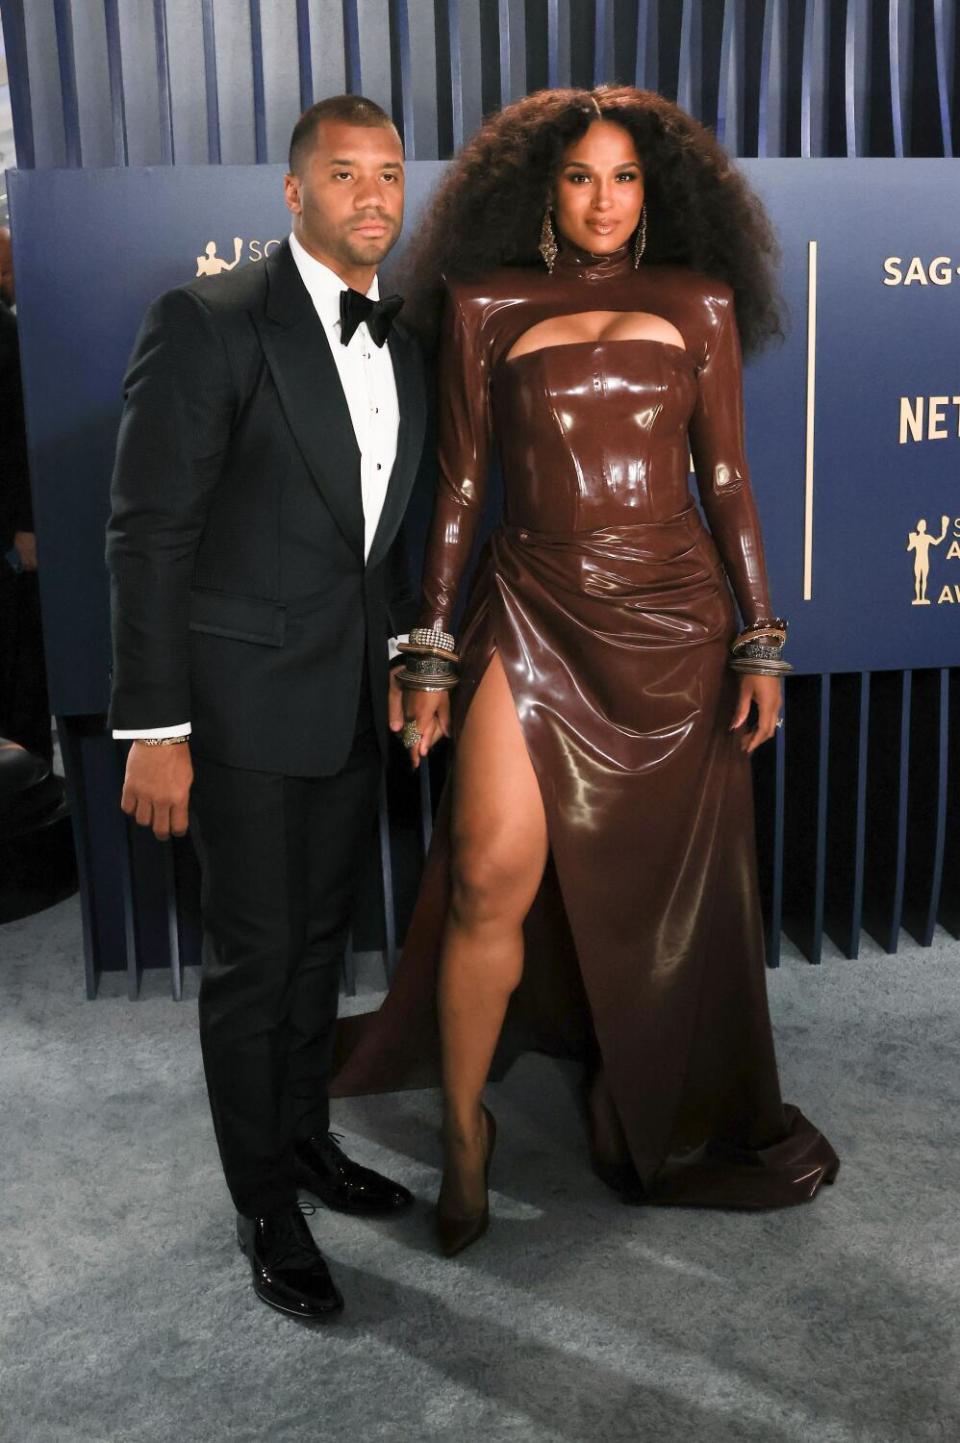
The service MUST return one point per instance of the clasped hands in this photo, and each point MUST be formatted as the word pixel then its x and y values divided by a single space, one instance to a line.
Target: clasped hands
pixel 429 710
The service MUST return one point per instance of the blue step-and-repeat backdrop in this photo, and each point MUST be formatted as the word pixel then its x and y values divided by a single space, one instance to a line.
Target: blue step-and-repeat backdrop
pixel 853 423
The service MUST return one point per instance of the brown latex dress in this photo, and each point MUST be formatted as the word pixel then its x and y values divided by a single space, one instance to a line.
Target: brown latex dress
pixel 608 602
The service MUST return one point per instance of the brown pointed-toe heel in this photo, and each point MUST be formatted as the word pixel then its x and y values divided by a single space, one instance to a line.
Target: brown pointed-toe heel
pixel 456 1233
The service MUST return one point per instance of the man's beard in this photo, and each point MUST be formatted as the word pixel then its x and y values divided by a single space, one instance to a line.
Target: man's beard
pixel 369 252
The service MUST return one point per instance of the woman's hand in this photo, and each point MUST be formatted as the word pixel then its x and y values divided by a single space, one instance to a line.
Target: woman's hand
pixel 766 693
pixel 430 710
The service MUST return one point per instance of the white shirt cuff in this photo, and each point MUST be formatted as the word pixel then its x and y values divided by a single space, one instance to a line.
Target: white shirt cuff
pixel 393 650
pixel 158 732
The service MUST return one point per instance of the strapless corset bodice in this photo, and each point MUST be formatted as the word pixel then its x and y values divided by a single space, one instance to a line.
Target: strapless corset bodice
pixel 594 433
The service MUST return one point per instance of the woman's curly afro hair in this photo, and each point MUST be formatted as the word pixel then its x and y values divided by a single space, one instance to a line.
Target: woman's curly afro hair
pixel 488 208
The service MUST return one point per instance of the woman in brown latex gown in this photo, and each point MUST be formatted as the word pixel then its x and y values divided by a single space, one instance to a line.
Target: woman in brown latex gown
pixel 592 880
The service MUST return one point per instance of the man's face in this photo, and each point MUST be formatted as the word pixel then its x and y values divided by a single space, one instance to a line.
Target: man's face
pixel 347 200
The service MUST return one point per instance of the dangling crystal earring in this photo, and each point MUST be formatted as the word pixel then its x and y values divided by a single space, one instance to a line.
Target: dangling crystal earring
pixel 548 241
pixel 640 239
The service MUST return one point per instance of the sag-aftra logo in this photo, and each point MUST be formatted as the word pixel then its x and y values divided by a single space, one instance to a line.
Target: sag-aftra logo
pixel 922 541
pixel 211 263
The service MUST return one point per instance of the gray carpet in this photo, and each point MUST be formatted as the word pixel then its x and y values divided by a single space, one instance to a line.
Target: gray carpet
pixel 127 1313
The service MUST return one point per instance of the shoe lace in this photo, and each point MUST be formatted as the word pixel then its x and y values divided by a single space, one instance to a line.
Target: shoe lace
pixel 292 1247
pixel 309 1208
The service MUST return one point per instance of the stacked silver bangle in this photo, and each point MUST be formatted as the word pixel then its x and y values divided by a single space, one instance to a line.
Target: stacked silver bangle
pixel 429 660
pixel 756 651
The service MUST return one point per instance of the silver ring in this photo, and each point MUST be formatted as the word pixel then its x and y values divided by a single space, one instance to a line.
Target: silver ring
pixel 411 734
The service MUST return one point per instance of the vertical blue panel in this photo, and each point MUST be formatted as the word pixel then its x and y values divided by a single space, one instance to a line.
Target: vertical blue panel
pixel 21 103
pixel 386 869
pixel 235 83
pixel 856 75
pixel 68 82
pixel 188 82
pixel 354 74
pixel 118 112
pixel 513 50
pixel 647 67
pixel 465 70
pixel 456 77
pixel 92 71
pixel 887 797
pixel 847 810
pixel 558 42
pixel 731 94
pixel 779 805
pixel 138 53
pixel 376 53
pixel 690 74
pixel 173 931
pixel 813 81
pixel 282 76
pixel 805 820
pixel 211 90
pixel 401 26
pixel 419 78
pixel 945 48
pixel 772 120
pixel 47 109
pixel 71 751
pixel 768 782
pixel 927 813
pixel 426 804
pixel 328 50
pixel 304 54
pixel 900 30
pixel 164 101
pixel 604 64
pixel 256 79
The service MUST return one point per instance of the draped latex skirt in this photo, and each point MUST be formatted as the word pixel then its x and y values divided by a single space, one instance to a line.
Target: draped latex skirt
pixel 644 948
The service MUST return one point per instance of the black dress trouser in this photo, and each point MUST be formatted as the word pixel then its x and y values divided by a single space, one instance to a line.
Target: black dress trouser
pixel 279 858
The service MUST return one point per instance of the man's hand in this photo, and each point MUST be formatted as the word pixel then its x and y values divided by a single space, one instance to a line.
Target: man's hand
pixel 156 788
pixel 25 545
pixel 395 702
pixel 766 693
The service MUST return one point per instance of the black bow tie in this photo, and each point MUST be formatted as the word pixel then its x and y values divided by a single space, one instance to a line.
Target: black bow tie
pixel 379 315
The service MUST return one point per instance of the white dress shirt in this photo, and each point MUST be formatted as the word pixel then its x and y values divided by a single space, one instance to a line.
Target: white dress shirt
pixel 370 389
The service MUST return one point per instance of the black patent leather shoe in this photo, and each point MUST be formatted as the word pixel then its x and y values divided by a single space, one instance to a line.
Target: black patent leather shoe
pixel 288 1268
pixel 321 1167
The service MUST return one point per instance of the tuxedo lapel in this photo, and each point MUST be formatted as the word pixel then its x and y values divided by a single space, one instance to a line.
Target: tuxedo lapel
pixel 308 383
pixel 408 374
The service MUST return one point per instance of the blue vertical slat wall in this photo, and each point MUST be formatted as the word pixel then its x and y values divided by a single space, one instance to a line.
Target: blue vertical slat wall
pixel 859 799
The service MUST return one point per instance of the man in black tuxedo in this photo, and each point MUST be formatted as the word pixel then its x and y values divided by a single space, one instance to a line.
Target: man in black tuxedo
pixel 272 430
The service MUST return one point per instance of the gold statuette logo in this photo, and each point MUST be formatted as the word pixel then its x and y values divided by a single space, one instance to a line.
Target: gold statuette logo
pixel 920 541
pixel 212 264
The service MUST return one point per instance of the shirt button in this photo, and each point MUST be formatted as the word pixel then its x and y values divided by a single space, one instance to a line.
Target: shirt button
pixel 379 467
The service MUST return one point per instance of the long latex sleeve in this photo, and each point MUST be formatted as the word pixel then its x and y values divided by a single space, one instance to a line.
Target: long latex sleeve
pixel 723 477
pixel 463 448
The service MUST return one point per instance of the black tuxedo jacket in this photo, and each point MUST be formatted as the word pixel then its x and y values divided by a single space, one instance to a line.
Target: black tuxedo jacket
pixel 240 598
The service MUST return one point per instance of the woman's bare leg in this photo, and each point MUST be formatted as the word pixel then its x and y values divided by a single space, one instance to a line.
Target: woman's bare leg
pixel 499 852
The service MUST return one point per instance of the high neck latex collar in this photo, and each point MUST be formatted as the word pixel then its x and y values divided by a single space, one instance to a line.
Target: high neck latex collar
pixel 571 261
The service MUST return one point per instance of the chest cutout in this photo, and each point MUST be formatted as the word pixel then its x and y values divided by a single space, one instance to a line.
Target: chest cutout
pixel 592 326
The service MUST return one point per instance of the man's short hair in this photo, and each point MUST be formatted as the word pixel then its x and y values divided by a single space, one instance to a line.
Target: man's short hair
pixel 345 109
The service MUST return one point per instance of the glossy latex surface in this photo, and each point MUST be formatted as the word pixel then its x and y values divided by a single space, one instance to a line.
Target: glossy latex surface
pixel 607 601
pixel 592 433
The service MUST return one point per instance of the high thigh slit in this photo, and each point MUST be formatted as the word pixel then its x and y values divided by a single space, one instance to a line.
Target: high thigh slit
pixel 608 604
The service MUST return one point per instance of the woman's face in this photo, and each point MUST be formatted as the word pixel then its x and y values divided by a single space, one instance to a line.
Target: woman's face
pixel 599 190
